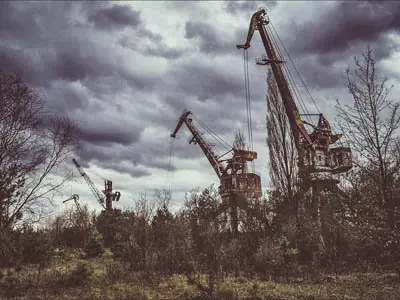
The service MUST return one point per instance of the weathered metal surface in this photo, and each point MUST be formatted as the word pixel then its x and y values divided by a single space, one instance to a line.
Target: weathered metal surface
pixel 247 184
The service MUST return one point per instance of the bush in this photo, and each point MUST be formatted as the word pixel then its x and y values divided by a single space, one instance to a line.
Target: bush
pixel 277 256
pixel 114 271
pixel 25 246
pixel 9 283
pixel 225 294
pixel 94 246
pixel 78 276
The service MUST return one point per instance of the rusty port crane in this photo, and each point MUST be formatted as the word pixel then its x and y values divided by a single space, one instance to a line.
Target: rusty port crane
pixel 232 172
pixel 319 164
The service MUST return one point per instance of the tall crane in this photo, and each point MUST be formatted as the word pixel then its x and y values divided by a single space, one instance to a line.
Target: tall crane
pixel 108 195
pixel 232 172
pixel 319 163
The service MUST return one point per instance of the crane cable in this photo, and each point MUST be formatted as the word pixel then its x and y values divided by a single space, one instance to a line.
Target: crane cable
pixel 297 72
pixel 219 139
pixel 290 77
pixel 294 86
pixel 291 82
pixel 171 162
pixel 248 103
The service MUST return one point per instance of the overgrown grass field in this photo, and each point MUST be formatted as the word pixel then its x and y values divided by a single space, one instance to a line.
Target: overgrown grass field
pixel 71 277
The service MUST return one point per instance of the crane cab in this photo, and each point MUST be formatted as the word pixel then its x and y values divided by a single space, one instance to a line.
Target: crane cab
pixel 321 157
pixel 247 184
pixel 340 159
pixel 332 160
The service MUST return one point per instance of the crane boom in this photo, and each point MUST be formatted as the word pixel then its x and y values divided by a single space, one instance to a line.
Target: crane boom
pixel 95 191
pixel 197 138
pixel 297 126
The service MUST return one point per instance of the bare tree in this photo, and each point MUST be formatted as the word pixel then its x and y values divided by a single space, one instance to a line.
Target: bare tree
pixel 370 126
pixel 33 145
pixel 239 141
pixel 162 198
pixel 281 146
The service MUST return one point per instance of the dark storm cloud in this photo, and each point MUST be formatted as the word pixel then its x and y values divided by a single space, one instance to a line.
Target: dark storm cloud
pixel 132 159
pixel 128 169
pixel 69 49
pixel 206 82
pixel 14 62
pixel 115 17
pixel 71 67
pixel 347 23
pixel 240 7
pixel 31 46
pixel 316 72
pixel 328 70
pixel 156 49
pixel 330 39
pixel 104 158
pixel 212 40
pixel 209 39
pixel 70 98
pixel 107 134
pixel 107 157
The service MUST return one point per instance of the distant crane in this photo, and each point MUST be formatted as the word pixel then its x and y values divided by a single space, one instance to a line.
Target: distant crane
pixel 108 196
pixel 84 219
pixel 232 172
pixel 75 197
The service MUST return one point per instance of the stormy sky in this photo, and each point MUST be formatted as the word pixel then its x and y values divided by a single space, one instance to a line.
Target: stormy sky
pixel 125 71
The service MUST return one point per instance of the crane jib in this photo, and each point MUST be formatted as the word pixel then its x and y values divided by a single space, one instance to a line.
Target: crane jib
pixel 257 22
pixel 204 146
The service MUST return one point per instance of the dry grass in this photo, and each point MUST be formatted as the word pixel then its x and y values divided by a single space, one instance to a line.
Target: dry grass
pixel 102 278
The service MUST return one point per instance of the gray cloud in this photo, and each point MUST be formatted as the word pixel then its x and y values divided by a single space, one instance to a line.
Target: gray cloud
pixel 207 82
pixel 156 49
pixel 64 97
pixel 240 7
pixel 115 17
pixel 126 168
pixel 347 23
pixel 209 39
pixel 324 44
pixel 212 40
pixel 108 134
